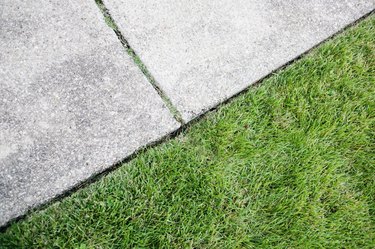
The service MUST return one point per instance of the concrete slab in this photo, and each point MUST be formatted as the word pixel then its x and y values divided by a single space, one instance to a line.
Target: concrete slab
pixel 203 52
pixel 72 102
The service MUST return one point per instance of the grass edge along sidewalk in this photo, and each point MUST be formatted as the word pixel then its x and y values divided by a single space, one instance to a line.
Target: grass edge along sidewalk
pixel 288 164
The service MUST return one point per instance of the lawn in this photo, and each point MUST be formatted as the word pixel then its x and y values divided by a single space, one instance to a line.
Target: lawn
pixel 288 164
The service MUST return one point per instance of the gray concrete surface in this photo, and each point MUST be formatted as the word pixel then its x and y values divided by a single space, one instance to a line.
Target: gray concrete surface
pixel 72 102
pixel 203 52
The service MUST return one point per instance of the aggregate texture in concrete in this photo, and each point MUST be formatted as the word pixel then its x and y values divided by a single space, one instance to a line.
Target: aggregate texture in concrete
pixel 72 101
pixel 203 52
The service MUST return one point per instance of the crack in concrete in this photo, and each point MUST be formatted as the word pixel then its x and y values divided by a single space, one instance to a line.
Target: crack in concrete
pixel 112 24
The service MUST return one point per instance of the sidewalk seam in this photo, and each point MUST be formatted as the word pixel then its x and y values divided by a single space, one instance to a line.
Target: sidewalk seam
pixel 137 60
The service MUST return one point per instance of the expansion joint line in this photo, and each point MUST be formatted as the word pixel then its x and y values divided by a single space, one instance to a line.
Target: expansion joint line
pixel 112 24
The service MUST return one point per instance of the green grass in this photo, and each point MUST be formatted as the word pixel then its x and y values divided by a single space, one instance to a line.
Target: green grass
pixel 288 164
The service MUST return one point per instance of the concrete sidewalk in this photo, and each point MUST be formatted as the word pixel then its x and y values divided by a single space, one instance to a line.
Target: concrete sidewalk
pixel 203 52
pixel 73 103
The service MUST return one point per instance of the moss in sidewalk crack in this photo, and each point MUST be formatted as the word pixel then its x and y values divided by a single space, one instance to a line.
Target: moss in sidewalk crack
pixel 112 24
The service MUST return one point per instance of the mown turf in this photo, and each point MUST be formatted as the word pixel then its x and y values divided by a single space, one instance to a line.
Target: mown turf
pixel 289 164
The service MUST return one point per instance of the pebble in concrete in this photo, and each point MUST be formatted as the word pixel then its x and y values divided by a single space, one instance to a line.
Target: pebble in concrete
pixel 72 101
pixel 203 52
